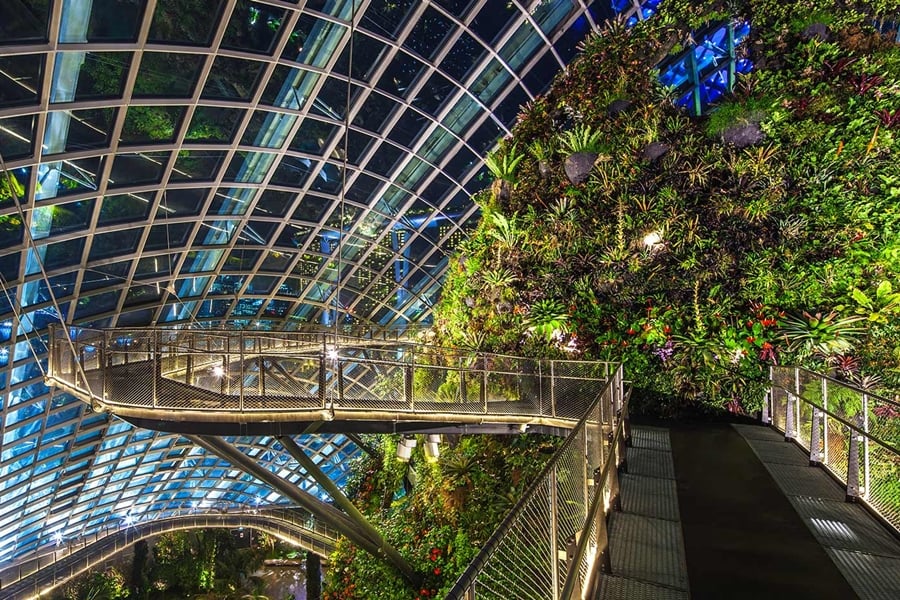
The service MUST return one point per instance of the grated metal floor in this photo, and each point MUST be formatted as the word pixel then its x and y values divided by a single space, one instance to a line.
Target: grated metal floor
pixel 867 555
pixel 646 546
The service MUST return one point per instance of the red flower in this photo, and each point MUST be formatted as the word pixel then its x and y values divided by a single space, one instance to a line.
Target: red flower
pixel 750 339
pixel 437 570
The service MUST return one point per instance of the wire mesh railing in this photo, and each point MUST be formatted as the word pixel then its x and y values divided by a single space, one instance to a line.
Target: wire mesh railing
pixel 247 372
pixel 555 537
pixel 73 557
pixel 851 432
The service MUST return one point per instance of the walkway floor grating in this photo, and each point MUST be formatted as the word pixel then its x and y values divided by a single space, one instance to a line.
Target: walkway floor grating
pixel 646 547
pixel 867 555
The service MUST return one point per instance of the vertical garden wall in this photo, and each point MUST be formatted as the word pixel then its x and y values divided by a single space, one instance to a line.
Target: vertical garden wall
pixel 700 249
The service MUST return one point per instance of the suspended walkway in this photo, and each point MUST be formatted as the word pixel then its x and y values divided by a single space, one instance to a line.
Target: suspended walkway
pixel 805 504
pixel 39 576
pixel 259 383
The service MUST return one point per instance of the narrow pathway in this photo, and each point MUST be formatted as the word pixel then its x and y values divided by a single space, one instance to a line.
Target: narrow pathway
pixel 647 553
pixel 863 550
pixel 742 536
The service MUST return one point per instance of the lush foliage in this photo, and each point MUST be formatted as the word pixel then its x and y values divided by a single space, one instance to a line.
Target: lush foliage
pixel 451 508
pixel 695 256
pixel 182 564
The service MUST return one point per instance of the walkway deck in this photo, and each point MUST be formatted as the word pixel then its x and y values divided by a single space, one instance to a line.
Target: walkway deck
pixel 720 511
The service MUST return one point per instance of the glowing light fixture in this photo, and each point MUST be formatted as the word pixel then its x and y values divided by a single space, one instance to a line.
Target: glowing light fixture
pixel 405 448
pixel 218 371
pixel 432 447
pixel 652 239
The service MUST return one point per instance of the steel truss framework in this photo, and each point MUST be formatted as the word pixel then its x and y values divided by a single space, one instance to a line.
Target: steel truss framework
pixel 264 164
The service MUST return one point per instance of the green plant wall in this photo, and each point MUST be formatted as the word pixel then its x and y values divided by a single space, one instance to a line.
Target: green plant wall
pixel 698 250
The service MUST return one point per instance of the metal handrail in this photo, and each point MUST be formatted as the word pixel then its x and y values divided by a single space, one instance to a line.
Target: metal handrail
pixel 464 588
pixel 266 376
pixel 80 556
pixel 610 469
pixel 868 465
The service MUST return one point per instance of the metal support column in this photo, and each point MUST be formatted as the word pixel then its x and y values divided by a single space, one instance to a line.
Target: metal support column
pixel 344 504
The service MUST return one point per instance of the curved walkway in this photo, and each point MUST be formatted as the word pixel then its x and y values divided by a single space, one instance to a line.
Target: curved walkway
pixel 38 578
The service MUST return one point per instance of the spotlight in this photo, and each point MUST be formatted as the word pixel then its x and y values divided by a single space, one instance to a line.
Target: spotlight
pixel 652 239
pixel 432 447
pixel 405 448
pixel 218 371
pixel 332 354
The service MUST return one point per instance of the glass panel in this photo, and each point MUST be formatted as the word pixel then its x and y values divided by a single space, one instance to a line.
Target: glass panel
pixel 400 75
pixel 258 232
pixel 490 22
pixel 249 167
pixel 113 21
pixel 232 78
pixel 313 41
pixel 151 124
pixel 277 261
pixel 64 254
pixel 11 232
pixel 465 53
pixel 293 171
pixel 268 129
pixel 87 129
pixel 367 54
pixel 144 167
pixel 20 76
pixel 181 203
pixel 167 74
pixel 17 136
pixel 313 136
pixel 386 17
pixel 185 21
pixel 125 207
pixel 104 276
pixel 114 243
pixel 155 266
pixel 77 175
pixel 331 102
pixel 101 76
pixel 24 21
pixel 429 33
pixel 261 284
pixel 168 236
pixel 408 127
pixel 374 112
pixel 213 124
pixel 197 164
pixel 433 94
pixel 99 303
pixel 253 27
pixel 274 203
pixel 232 201
pixel 71 216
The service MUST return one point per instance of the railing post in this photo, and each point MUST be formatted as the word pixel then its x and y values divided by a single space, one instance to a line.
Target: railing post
pixel 484 382
pixel 825 456
pixel 789 418
pixel 554 528
pixel 853 467
pixel 157 367
pixel 408 374
pixel 553 388
pixel 865 441
pixel 766 416
pixel 815 438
